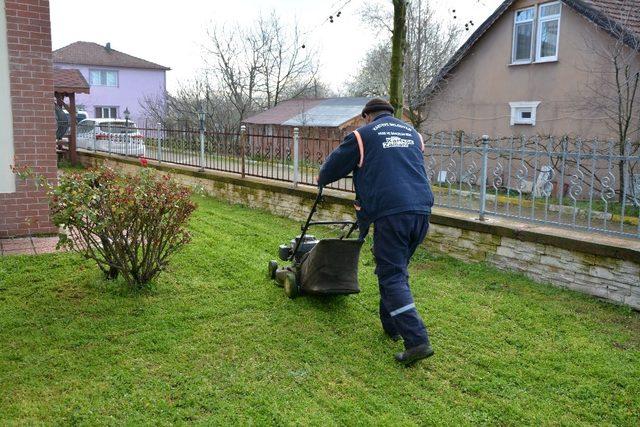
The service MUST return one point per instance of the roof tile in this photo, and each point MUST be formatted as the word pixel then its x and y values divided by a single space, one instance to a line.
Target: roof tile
pixel 69 80
pixel 88 53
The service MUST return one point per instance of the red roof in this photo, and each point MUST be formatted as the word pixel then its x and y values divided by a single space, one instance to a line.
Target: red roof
pixel 69 81
pixel 624 12
pixel 88 53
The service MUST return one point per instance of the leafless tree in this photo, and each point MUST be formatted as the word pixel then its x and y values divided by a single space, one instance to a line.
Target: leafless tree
pixel 373 76
pixel 258 66
pixel 179 110
pixel 429 45
pixel 612 63
pixel 314 89
pixel 246 70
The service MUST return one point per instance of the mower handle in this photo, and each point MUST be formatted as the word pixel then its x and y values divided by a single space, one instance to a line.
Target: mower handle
pixel 330 223
pixel 306 225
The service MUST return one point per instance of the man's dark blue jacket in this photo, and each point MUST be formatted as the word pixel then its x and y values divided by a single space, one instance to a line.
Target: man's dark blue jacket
pixel 391 177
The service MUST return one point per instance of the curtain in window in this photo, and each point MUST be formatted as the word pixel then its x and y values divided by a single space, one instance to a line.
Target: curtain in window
pixel 111 78
pixel 94 77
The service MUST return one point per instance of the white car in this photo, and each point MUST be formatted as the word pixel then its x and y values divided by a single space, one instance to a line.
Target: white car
pixel 110 135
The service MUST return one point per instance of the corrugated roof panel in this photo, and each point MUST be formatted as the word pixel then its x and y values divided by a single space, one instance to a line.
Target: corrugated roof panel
pixel 283 112
pixel 330 113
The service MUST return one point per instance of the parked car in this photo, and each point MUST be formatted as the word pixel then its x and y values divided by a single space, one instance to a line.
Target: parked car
pixel 111 135
pixel 80 116
pixel 62 122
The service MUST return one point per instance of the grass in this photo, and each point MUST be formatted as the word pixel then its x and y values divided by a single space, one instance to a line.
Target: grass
pixel 214 342
pixel 66 166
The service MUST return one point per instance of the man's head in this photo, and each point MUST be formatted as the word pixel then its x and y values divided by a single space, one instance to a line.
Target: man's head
pixel 375 107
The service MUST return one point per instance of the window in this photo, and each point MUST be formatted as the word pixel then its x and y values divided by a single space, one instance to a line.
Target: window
pixel 541 32
pixel 548 32
pixel 524 113
pixel 119 126
pixel 85 128
pixel 523 35
pixel 106 113
pixel 103 78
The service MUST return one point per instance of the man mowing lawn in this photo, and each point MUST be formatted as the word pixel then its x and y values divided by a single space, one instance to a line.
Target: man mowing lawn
pixel 392 192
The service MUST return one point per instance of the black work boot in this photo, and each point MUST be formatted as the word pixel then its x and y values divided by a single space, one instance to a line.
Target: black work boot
pixel 414 354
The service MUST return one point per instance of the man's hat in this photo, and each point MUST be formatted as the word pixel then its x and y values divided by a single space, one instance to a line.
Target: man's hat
pixel 377 104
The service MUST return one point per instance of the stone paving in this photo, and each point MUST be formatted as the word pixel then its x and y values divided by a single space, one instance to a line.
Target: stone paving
pixel 28 245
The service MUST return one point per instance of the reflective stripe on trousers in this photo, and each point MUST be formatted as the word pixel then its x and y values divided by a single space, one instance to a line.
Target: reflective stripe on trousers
pixel 395 239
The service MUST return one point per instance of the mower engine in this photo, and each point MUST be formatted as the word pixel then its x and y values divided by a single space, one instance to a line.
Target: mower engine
pixel 285 251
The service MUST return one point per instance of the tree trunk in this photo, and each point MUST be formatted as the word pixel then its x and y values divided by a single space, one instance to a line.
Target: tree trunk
pixel 398 42
pixel 621 171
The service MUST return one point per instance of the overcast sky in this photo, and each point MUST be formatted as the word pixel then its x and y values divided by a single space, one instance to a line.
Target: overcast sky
pixel 172 33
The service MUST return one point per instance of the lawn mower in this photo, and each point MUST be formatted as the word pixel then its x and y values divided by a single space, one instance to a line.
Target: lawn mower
pixel 325 266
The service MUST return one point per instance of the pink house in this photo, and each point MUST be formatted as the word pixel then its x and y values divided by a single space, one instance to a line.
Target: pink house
pixel 118 81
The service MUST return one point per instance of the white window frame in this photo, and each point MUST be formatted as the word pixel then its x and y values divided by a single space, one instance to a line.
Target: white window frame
pixel 98 70
pixel 514 39
pixel 539 21
pixel 517 107
pixel 104 108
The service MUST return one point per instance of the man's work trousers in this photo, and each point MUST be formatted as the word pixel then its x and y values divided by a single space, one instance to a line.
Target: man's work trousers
pixel 395 239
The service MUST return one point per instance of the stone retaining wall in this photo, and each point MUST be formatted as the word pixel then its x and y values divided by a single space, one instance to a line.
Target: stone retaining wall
pixel 603 266
pixel 613 279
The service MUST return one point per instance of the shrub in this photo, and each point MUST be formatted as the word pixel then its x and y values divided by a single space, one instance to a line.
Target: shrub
pixel 129 224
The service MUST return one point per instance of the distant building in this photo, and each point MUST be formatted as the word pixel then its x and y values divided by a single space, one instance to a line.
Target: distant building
pixel 531 67
pixel 316 118
pixel 118 81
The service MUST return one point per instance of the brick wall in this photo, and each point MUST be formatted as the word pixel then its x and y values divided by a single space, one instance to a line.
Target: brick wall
pixel 30 71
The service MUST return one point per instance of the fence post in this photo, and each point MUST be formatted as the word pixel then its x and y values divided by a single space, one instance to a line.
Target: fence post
pixel 243 136
pixel 483 177
pixel 126 137
pixel 296 168
pixel 201 143
pixel 94 136
pixel 109 137
pixel 159 152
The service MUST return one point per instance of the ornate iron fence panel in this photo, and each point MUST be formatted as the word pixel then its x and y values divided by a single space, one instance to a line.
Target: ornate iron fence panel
pixel 569 183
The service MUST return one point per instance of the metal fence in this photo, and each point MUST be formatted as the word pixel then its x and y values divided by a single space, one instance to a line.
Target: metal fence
pixel 294 157
pixel 570 183
pixel 575 183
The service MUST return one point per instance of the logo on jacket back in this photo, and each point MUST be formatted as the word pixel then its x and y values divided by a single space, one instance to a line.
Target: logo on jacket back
pixel 397 142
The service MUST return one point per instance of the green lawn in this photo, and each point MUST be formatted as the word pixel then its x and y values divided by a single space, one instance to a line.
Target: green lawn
pixel 215 342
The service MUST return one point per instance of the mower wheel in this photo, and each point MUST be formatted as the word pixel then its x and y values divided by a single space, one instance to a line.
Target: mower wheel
pixel 273 266
pixel 291 286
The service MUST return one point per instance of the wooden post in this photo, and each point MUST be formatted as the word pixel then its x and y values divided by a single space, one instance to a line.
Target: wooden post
pixel 72 129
